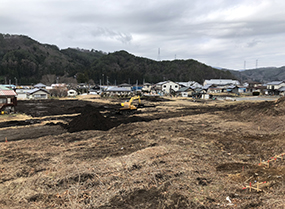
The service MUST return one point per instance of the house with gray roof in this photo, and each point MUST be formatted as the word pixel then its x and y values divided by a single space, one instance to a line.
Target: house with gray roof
pixel 282 91
pixel 273 87
pixel 116 91
pixel 167 87
pixel 38 94
pixel 275 84
pixel 192 84
pixel 125 85
pixel 221 82
pixel 40 86
pixel 185 91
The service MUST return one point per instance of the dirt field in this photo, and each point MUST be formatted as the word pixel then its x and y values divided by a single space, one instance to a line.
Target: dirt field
pixel 174 153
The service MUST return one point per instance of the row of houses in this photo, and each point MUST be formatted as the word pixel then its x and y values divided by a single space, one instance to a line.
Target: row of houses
pixel 161 88
pixel 185 89
pixel 41 91
pixel 211 86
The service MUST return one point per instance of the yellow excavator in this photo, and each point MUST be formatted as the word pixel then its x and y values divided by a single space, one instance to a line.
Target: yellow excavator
pixel 129 107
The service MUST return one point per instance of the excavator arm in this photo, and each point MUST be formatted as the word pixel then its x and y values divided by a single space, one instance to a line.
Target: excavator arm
pixel 134 98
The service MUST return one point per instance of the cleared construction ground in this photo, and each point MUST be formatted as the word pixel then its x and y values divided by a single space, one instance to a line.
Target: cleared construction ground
pixel 176 153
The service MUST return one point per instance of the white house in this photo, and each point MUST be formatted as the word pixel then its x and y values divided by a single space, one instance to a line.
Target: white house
pixel 22 93
pixel 168 86
pixel 192 84
pixel 146 87
pixel 221 82
pixel 274 85
pixel 37 94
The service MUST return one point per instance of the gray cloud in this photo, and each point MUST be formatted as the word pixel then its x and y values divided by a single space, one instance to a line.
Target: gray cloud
pixel 122 37
pixel 216 32
pixel 252 43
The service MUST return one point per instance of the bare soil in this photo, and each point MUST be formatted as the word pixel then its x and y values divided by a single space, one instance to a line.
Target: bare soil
pixel 174 153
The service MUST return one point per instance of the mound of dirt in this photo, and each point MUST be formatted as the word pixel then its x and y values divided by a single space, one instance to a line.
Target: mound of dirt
pixel 90 119
pixel 152 198
pixel 281 100
pixel 260 109
pixel 276 108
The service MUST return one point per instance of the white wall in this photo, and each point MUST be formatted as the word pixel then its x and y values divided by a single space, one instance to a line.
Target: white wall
pixel 38 95
pixel 22 96
pixel 169 85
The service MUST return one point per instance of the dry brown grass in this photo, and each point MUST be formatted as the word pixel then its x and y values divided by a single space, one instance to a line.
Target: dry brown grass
pixel 17 116
pixel 187 161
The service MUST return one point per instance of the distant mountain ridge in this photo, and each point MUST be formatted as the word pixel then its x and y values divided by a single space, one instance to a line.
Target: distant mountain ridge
pixel 27 61
pixel 263 75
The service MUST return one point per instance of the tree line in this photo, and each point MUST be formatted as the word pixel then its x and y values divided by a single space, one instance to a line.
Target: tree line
pixel 27 61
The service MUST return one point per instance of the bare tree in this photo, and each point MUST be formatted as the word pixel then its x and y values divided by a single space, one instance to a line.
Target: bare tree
pixel 59 92
pixel 48 79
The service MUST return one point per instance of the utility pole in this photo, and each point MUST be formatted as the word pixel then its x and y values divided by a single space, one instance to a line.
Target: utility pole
pixel 136 86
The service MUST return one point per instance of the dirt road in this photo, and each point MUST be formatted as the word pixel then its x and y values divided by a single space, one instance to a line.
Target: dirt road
pixel 175 154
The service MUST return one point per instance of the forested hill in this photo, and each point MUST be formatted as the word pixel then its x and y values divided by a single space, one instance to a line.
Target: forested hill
pixel 122 66
pixel 28 61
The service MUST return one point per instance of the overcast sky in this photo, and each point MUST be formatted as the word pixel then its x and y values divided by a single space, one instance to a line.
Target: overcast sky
pixel 234 34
